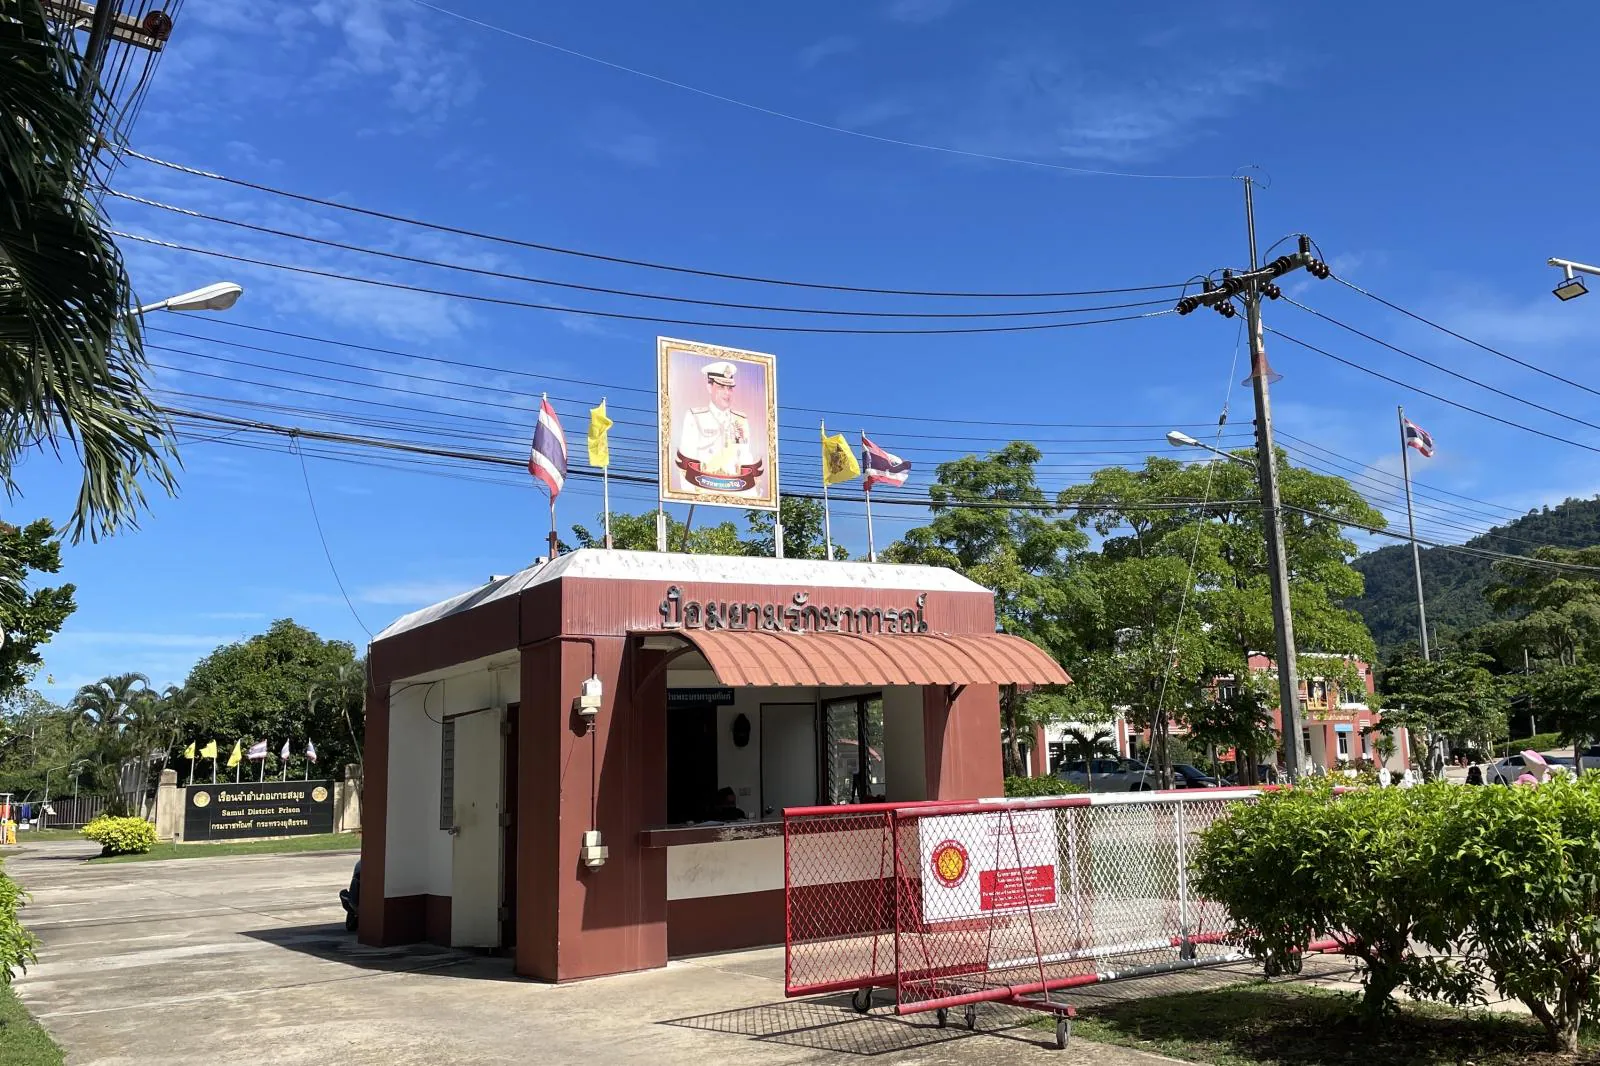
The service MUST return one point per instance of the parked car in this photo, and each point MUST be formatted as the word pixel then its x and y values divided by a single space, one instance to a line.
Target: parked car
pixel 1108 775
pixel 1266 775
pixel 1507 770
pixel 351 899
pixel 1186 776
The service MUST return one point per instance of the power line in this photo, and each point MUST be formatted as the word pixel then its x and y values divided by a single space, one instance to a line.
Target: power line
pixel 323 537
pixel 623 261
pixel 504 301
pixel 615 387
pixel 1431 395
pixel 1441 368
pixel 1512 512
pixel 1468 340
pixel 502 275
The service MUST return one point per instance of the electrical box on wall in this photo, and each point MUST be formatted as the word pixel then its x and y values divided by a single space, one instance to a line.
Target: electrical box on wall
pixel 590 694
pixel 594 851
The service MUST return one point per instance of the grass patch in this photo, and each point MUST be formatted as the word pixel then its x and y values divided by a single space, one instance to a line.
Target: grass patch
pixel 25 835
pixel 169 850
pixel 1278 1025
pixel 22 1041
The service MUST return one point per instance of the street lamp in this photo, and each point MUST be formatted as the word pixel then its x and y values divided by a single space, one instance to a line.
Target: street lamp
pixel 216 297
pixel 1572 286
pixel 1182 440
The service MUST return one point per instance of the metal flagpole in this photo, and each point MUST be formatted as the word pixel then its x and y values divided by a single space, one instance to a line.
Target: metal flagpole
pixel 866 490
pixel 605 485
pixel 261 769
pixel 1411 523
pixel 238 767
pixel 827 516
pixel 213 769
pixel 191 769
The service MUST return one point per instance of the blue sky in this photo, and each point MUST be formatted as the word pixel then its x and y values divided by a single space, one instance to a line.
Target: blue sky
pixel 1431 150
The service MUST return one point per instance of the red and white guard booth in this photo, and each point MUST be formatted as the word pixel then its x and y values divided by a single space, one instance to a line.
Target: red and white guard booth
pixel 789 682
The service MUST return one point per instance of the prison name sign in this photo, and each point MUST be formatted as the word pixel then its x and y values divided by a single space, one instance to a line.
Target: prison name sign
pixel 257 809
pixel 798 615
pixel 979 865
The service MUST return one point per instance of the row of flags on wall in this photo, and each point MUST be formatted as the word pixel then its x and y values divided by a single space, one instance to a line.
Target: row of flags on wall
pixel 257 752
pixel 547 462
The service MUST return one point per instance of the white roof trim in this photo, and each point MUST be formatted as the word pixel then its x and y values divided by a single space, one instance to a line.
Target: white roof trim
pixel 669 568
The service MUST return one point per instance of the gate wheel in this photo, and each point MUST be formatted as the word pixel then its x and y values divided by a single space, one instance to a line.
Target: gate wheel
pixel 971 1017
pixel 943 1015
pixel 1063 1032
pixel 861 1000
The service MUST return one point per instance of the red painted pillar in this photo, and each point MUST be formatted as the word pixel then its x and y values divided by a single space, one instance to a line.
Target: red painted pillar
pixel 375 808
pixel 962 742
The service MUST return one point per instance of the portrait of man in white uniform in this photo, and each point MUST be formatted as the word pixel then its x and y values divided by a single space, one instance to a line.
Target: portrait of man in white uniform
pixel 718 425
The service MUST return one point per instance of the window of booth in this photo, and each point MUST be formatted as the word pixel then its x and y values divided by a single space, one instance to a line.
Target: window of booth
pixel 772 755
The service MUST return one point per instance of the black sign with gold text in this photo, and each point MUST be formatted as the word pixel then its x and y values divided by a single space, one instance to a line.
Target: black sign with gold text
pixel 227 811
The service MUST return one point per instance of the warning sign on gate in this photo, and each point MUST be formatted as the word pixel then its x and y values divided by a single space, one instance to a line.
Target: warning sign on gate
pixel 976 865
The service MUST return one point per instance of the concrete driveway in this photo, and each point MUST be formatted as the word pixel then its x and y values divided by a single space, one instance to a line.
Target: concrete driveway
pixel 245 959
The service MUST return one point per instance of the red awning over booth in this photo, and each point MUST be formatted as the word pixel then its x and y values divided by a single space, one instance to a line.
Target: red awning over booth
pixel 844 659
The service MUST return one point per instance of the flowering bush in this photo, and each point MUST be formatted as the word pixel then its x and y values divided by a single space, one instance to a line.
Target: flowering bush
pixel 121 836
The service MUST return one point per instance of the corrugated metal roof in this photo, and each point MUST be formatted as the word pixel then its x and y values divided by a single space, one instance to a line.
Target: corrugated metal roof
pixel 806 659
pixel 676 568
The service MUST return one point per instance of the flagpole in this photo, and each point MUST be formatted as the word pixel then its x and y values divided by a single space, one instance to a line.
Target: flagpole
pixel 866 490
pixel 827 513
pixel 1411 522
pixel 213 769
pixel 238 767
pixel 191 770
pixel 605 485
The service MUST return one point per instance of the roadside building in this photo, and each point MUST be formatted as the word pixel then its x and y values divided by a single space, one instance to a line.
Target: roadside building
pixel 584 764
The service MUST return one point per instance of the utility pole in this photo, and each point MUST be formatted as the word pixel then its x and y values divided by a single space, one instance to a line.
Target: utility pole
pixel 1250 287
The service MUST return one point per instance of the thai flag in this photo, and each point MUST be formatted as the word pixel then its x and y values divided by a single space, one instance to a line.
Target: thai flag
pixel 311 751
pixel 881 467
pixel 258 750
pixel 1419 438
pixel 548 459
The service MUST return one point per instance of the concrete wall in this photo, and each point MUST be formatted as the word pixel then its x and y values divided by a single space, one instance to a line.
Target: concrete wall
pixel 417 860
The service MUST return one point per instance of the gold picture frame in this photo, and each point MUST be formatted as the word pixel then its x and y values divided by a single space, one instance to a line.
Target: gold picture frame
pixel 708 453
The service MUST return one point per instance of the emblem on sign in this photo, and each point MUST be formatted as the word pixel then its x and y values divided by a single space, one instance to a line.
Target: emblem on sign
pixel 202 798
pixel 319 793
pixel 949 863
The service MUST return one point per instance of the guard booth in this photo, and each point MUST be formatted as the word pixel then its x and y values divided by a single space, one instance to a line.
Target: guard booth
pixel 585 764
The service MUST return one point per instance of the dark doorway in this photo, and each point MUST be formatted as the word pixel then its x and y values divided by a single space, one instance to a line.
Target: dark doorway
pixel 691 763
pixel 508 834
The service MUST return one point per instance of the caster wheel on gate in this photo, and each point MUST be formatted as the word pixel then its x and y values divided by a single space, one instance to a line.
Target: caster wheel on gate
pixel 944 1017
pixel 861 1000
pixel 1063 1032
pixel 971 1018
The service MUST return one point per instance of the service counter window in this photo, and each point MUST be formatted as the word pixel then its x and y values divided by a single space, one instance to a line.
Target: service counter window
pixel 749 758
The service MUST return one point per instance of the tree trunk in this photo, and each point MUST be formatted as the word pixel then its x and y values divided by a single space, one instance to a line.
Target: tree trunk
pixel 1013 759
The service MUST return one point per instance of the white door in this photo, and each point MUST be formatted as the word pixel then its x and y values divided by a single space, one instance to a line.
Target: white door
pixel 475 862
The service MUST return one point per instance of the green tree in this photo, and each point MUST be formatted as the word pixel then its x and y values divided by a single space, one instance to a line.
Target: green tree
pixel 802 533
pixel 286 683
pixel 29 616
pixel 1453 695
pixel 1191 536
pixel 993 523
pixel 71 362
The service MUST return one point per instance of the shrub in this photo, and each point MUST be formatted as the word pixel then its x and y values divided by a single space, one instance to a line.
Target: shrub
pixel 1517 880
pixel 1303 864
pixel 16 943
pixel 1040 786
pixel 121 836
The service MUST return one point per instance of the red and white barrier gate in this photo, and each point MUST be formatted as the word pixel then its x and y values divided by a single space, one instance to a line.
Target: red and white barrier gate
pixel 1011 901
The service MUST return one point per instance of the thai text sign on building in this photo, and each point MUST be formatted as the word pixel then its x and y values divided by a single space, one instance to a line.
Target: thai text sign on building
pixel 257 809
pixel 977 865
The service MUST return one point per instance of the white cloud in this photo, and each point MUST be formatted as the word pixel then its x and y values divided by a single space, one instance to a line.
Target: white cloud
pixel 827 48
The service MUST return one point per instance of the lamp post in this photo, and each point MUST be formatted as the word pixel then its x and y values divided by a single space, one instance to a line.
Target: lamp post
pixel 218 296
pixel 1572 286
pixel 1182 440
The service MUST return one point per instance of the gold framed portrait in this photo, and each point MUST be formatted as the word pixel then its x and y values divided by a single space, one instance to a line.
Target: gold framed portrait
pixel 718 432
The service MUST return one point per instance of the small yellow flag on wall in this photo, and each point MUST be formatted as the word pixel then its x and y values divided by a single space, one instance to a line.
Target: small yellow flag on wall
pixel 599 441
pixel 838 460
pixel 207 752
pixel 234 756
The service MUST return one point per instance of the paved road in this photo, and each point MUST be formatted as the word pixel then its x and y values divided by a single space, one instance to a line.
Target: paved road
pixel 245 959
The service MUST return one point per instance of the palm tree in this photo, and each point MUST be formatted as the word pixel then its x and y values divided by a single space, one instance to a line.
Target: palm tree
pixel 1085 744
pixel 71 361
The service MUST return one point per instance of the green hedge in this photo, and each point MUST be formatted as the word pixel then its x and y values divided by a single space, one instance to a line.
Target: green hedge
pixel 16 943
pixel 1498 883
pixel 1040 786
pixel 121 836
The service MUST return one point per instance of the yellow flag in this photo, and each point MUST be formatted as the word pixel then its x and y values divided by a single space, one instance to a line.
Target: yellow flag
pixel 234 756
pixel 188 753
pixel 599 444
pixel 207 752
pixel 838 461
